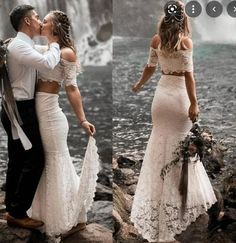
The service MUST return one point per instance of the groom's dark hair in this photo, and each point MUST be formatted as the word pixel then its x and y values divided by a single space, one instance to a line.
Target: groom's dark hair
pixel 18 13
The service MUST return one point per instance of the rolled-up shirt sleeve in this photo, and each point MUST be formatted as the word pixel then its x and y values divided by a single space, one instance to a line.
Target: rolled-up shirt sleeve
pixel 27 55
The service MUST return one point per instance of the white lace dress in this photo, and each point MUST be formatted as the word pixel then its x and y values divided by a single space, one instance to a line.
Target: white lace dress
pixel 62 198
pixel 157 203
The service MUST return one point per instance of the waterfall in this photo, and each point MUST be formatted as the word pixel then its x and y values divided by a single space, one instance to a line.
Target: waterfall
pixel 91 51
pixel 216 30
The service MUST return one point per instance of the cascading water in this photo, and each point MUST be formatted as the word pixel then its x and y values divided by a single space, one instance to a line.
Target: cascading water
pixel 90 50
pixel 216 30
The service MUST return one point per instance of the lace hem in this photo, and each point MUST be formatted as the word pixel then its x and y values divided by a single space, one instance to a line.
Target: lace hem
pixel 161 222
pixel 90 170
pixel 63 199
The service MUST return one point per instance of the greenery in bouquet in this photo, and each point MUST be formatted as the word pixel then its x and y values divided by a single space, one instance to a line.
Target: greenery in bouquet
pixel 198 144
pixel 3 53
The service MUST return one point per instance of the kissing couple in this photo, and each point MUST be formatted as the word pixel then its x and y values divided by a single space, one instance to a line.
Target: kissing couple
pixel 42 188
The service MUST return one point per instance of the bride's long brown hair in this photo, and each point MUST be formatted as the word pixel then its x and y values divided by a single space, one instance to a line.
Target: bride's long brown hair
pixel 62 28
pixel 173 25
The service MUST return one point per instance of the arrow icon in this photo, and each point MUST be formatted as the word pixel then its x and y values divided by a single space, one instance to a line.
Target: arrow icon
pixel 231 9
pixel 214 9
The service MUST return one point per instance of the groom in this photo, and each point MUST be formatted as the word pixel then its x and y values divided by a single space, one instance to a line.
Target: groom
pixel 25 150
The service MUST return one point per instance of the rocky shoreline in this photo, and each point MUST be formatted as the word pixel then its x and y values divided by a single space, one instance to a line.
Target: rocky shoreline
pixel 206 229
pixel 98 230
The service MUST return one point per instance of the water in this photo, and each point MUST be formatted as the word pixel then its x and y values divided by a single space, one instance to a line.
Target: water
pixel 95 87
pixel 214 67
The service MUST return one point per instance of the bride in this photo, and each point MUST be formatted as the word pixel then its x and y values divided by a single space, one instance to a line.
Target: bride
pixel 156 210
pixel 62 198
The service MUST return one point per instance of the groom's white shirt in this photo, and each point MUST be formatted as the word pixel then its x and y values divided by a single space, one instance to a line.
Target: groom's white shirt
pixel 23 61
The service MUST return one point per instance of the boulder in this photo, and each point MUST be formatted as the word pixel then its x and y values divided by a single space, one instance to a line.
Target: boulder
pixel 94 233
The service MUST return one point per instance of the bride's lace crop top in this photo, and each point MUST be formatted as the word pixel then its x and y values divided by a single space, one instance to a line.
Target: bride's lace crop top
pixel 64 72
pixel 177 61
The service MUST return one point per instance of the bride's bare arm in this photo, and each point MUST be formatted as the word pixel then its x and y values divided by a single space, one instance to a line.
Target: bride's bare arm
pixel 191 90
pixel 191 87
pixel 74 96
pixel 148 70
pixel 75 100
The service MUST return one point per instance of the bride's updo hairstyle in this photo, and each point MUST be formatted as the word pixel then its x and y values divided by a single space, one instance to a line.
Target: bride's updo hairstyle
pixel 62 28
pixel 173 25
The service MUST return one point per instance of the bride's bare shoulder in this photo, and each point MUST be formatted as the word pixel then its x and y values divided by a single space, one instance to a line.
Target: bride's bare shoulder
pixel 68 54
pixel 155 41
pixel 187 43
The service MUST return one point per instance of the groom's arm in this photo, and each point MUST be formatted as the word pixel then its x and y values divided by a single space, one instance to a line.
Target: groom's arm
pixel 27 55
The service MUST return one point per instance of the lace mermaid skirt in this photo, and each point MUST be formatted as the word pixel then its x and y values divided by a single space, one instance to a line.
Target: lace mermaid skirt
pixel 156 206
pixel 62 198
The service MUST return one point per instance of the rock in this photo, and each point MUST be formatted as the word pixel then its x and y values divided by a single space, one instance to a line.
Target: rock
pixel 119 177
pixel 3 187
pixel 231 231
pixel 106 155
pixel 15 234
pixel 105 175
pixel 124 232
pixel 215 210
pixel 105 32
pixel 220 237
pixel 128 234
pixel 131 189
pixel 2 205
pixel 131 181
pixel 214 162
pixel 229 190
pixel 103 193
pixel 128 174
pixel 125 162
pixel 196 232
pixel 118 222
pixel 94 233
pixel 101 213
pixel 114 164
pixel 122 203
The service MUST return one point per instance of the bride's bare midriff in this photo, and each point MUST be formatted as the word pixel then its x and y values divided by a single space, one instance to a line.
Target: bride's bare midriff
pixel 48 86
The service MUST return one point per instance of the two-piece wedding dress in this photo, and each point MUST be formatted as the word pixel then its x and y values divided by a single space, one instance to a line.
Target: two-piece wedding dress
pixel 62 198
pixel 157 203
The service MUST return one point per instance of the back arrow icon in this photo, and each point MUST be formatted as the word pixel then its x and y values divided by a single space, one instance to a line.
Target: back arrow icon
pixel 234 9
pixel 214 9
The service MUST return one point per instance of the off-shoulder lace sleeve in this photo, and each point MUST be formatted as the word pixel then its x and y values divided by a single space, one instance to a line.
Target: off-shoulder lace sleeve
pixel 153 58
pixel 188 61
pixel 71 70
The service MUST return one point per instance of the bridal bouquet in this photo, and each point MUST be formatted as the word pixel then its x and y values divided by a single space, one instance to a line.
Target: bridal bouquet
pixel 198 144
pixel 3 52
